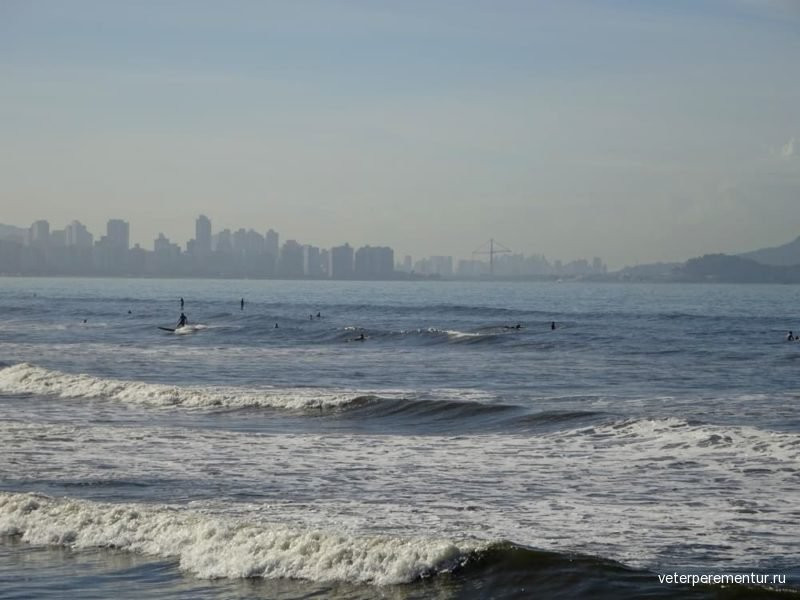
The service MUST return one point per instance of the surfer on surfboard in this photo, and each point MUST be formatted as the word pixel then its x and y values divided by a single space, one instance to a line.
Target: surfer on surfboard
pixel 182 321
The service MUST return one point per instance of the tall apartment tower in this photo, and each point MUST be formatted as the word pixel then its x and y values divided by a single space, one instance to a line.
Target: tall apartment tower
pixel 374 262
pixel 202 235
pixel 272 243
pixel 118 234
pixel 39 234
pixel 78 235
pixel 342 262
pixel 291 260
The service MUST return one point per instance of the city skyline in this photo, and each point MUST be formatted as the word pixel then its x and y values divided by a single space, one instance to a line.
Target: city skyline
pixel 636 131
pixel 73 250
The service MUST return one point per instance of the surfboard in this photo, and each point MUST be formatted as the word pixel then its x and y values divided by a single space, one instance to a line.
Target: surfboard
pixel 167 329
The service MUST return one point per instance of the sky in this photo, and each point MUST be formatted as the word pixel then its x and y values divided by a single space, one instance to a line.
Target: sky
pixel 636 131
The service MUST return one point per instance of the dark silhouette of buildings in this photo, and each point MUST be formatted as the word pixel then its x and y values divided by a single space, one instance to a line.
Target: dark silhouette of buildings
pixel 202 236
pixel 342 262
pixel 374 262
pixel 244 253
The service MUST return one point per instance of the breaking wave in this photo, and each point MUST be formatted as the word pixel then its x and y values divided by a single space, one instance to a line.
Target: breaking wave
pixel 216 547
pixel 25 378
pixel 32 379
pixel 225 547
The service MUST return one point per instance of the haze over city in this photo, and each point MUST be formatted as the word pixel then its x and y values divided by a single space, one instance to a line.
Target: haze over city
pixel 635 131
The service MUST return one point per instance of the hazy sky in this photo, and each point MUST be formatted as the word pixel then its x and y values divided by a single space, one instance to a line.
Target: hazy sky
pixel 632 130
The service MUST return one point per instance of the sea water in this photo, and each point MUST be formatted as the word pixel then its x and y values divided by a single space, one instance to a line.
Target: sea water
pixel 462 449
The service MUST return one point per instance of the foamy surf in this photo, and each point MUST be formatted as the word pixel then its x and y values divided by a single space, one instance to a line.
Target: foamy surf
pixel 26 378
pixel 30 379
pixel 591 491
pixel 187 329
pixel 220 547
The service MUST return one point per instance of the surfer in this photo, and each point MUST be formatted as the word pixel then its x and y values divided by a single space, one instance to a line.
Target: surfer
pixel 360 338
pixel 789 338
pixel 276 325
pixel 310 317
pixel 241 304
pixel 182 321
pixel 319 315
pixel 181 304
pixel 552 325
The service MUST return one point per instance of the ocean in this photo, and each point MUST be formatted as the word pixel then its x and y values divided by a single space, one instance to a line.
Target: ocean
pixel 462 449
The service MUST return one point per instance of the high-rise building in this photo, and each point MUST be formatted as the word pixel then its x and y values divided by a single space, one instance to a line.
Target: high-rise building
pixel 77 235
pixel 166 256
pixel 58 238
pixel 224 244
pixel 254 243
pixel 39 234
pixel 325 262
pixel 240 242
pixel 342 262
pixel 272 243
pixel 118 234
pixel 202 235
pixel 161 244
pixel 290 263
pixel 312 264
pixel 374 262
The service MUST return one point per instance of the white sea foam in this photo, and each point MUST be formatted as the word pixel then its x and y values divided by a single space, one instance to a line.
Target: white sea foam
pixel 186 329
pixel 635 491
pixel 28 378
pixel 214 547
pixel 456 335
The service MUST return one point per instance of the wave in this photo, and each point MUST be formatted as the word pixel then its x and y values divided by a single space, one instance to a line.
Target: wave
pixel 31 379
pixel 26 378
pixel 402 309
pixel 672 436
pixel 224 547
pixel 423 335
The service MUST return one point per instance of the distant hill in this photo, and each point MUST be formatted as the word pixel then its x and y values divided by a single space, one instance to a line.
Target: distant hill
pixel 9 232
pixel 724 268
pixel 648 272
pixel 786 255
